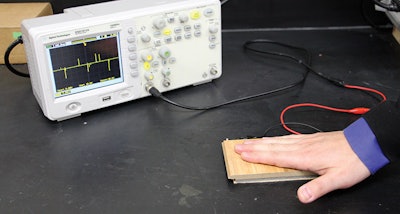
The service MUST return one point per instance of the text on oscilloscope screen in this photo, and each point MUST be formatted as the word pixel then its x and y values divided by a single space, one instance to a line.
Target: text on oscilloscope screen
pixel 85 64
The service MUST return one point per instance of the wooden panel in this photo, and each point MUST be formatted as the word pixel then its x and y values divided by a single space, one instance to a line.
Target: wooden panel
pixel 396 34
pixel 240 171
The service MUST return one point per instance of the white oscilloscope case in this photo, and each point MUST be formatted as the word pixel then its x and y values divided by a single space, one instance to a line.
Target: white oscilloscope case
pixel 188 30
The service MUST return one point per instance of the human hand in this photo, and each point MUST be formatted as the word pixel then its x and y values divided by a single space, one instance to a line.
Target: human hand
pixel 327 154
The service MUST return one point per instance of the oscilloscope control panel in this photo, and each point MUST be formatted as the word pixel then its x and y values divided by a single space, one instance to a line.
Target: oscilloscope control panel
pixel 99 55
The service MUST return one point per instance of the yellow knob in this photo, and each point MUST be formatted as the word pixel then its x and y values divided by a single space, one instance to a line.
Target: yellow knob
pixel 146 66
pixel 195 14
pixel 147 56
pixel 167 31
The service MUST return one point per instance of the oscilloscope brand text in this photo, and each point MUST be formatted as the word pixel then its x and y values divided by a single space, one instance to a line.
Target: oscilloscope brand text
pixel 79 32
pixel 59 36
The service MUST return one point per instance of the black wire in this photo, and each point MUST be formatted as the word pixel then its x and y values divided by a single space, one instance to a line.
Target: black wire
pixel 7 57
pixel 156 93
pixel 247 44
pixel 290 123
pixel 301 62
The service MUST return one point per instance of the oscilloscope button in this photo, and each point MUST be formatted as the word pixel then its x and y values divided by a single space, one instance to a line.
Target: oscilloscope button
pixel 178 30
pixel 178 37
pixel 155 64
pixel 197 33
pixel 172 60
pixel 133 56
pixel 168 39
pixel 131 39
pixel 171 19
pixel 157 33
pixel 208 12
pixel 212 38
pixel 188 35
pixel 125 94
pixel 212 45
pixel 197 26
pixel 135 73
pixel 187 27
pixel 133 65
pixel 132 48
pixel 157 42
pixel 73 107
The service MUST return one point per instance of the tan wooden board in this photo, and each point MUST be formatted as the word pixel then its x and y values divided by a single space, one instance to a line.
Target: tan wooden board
pixel 396 34
pixel 240 171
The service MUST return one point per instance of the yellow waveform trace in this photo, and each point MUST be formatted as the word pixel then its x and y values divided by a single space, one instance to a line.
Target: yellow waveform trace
pixel 97 60
pixel 65 73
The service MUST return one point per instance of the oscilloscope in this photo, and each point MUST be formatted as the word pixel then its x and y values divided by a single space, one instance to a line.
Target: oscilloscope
pixel 99 55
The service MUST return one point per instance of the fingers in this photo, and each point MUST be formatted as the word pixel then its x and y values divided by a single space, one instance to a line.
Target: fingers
pixel 316 188
pixel 286 139
pixel 329 182
pixel 285 151
pixel 284 143
pixel 262 147
pixel 272 155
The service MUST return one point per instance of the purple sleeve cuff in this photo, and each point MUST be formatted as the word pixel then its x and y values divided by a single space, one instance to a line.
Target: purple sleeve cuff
pixel 363 142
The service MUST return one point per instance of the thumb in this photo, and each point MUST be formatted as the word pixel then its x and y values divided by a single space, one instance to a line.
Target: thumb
pixel 316 188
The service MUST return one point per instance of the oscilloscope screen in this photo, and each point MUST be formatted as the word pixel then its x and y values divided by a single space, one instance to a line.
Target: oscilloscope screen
pixel 85 64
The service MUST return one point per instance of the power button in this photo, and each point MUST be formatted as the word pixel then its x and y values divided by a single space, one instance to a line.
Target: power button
pixel 73 107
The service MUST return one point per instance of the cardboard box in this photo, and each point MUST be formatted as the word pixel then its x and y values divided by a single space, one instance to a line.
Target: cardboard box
pixel 11 16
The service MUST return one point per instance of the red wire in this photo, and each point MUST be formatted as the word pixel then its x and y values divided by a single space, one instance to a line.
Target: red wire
pixel 350 111
pixel 359 110
pixel 367 89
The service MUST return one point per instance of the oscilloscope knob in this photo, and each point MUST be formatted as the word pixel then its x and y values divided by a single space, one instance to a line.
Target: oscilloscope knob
pixel 148 76
pixel 183 18
pixel 159 23
pixel 145 38
pixel 147 56
pixel 166 72
pixel 213 70
pixel 164 52
pixel 213 29
pixel 166 82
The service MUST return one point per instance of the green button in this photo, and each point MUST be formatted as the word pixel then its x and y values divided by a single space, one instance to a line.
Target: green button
pixel 16 35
